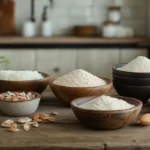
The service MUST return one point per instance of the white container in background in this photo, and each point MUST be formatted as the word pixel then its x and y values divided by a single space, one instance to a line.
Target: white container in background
pixel 114 14
pixel 46 28
pixel 109 29
pixel 29 29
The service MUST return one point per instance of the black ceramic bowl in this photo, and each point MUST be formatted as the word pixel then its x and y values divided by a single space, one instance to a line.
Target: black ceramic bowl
pixel 140 92
pixel 129 74
pixel 131 81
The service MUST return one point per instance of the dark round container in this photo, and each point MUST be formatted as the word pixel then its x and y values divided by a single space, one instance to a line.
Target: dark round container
pixel 140 92
pixel 129 74
pixel 131 81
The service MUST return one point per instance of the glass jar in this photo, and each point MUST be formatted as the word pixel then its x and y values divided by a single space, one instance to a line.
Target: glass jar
pixel 114 14
pixel 109 29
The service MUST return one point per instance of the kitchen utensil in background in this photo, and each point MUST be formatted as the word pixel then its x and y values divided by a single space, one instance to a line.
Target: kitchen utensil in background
pixel 7 25
pixel 46 27
pixel 29 27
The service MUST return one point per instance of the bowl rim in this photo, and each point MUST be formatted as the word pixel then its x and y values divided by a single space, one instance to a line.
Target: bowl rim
pixel 38 96
pixel 140 104
pixel 127 72
pixel 45 76
pixel 107 80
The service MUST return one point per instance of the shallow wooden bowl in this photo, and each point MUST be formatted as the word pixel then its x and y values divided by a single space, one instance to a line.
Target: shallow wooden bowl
pixel 28 85
pixel 67 94
pixel 106 120
pixel 140 92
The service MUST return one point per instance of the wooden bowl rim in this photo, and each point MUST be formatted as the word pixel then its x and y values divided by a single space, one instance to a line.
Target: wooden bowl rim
pixel 37 97
pixel 127 72
pixel 45 76
pixel 107 80
pixel 108 111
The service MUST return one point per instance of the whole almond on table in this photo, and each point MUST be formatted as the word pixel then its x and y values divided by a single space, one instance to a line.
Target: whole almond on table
pixel 144 120
pixel 7 123
pixel 42 116
pixel 35 117
pixel 26 127
pixel 13 129
pixel 51 119
pixel 54 113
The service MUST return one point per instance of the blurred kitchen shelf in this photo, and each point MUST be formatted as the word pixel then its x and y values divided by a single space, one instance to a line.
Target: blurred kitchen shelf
pixel 73 42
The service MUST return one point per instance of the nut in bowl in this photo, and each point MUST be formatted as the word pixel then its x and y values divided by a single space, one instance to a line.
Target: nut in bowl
pixel 106 119
pixel 19 103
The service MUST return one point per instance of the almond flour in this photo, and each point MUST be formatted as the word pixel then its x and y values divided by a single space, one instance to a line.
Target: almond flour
pixel 79 78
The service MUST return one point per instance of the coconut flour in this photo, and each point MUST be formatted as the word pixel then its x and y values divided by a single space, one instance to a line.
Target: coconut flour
pixel 139 64
pixel 106 103
pixel 79 78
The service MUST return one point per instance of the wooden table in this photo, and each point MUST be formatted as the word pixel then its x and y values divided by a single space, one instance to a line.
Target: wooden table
pixel 68 134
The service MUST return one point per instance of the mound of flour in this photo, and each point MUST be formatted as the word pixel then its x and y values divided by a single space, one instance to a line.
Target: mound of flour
pixel 139 64
pixel 106 103
pixel 79 78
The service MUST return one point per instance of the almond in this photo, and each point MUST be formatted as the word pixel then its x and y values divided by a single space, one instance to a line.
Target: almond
pixel 7 123
pixel 26 127
pixel 42 116
pixel 35 124
pixel 54 113
pixel 13 125
pixel 13 129
pixel 51 119
pixel 144 120
pixel 35 116
pixel 24 120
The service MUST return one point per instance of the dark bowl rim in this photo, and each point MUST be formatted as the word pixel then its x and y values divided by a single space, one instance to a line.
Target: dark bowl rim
pixel 37 97
pixel 127 72
pixel 107 80
pixel 140 104
pixel 45 76
pixel 131 85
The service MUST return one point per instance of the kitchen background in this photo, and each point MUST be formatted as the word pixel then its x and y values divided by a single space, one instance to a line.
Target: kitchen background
pixel 64 15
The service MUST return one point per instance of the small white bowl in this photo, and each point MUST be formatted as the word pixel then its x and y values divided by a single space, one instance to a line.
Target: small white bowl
pixel 20 108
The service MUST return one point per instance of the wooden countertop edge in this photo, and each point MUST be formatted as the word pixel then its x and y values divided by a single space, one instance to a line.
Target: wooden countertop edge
pixel 73 40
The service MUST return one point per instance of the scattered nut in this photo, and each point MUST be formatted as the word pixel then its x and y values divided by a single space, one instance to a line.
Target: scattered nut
pixel 7 123
pixel 35 124
pixel 42 116
pixel 54 113
pixel 35 117
pixel 144 120
pixel 13 129
pixel 13 125
pixel 26 127
pixel 51 119
pixel 24 120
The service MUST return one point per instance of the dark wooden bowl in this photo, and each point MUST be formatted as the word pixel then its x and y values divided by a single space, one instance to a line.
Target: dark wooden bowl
pixel 106 120
pixel 129 74
pixel 140 92
pixel 131 81
pixel 67 94
pixel 28 85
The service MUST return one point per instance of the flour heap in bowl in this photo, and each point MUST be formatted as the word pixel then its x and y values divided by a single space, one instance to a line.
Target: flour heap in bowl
pixel 11 75
pixel 106 103
pixel 139 64
pixel 79 78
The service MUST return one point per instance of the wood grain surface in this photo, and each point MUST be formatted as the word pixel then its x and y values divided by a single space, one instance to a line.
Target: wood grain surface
pixel 68 134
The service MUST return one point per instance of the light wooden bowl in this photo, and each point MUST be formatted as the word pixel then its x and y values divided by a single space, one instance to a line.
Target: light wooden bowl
pixel 67 94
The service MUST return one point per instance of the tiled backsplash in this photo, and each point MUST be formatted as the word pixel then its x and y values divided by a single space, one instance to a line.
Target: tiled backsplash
pixel 67 13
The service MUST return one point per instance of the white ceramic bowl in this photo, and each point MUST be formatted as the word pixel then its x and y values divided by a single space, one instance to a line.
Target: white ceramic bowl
pixel 20 108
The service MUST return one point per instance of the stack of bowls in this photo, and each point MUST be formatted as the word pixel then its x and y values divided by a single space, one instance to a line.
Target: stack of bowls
pixel 131 84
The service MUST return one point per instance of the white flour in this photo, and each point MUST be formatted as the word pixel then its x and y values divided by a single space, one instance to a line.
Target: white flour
pixel 79 78
pixel 139 64
pixel 106 103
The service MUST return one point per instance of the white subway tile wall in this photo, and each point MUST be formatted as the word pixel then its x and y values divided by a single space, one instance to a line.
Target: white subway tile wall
pixel 67 13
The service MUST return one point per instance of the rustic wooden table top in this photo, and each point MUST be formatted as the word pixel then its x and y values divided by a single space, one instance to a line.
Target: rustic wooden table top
pixel 68 134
